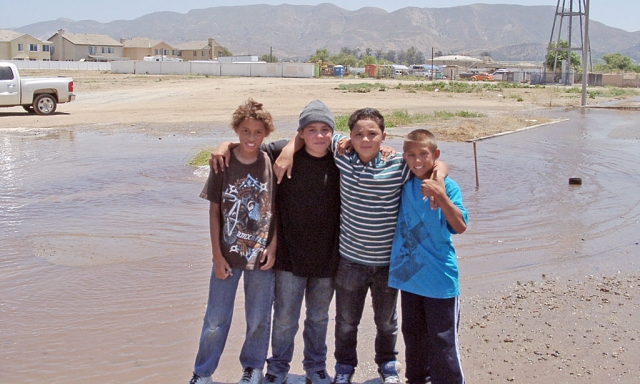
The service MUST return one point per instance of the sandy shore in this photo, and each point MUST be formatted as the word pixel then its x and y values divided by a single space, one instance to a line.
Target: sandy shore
pixel 577 329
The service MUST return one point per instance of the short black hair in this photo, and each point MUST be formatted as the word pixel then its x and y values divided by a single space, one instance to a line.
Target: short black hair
pixel 366 114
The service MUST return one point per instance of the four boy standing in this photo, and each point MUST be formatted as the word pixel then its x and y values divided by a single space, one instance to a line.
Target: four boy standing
pixel 370 189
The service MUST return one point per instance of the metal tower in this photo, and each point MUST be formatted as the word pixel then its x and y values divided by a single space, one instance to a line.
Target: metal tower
pixel 570 19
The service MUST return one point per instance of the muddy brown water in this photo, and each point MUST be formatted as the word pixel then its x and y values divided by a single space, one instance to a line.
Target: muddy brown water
pixel 105 255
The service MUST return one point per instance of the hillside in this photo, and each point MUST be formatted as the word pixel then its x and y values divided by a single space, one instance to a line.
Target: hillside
pixel 508 32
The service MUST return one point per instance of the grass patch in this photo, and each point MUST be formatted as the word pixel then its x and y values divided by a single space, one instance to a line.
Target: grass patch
pixel 607 91
pixel 201 157
pixel 401 117
pixel 459 86
pixel 361 87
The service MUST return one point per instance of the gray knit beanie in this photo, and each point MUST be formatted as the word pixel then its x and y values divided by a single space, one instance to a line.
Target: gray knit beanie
pixel 316 112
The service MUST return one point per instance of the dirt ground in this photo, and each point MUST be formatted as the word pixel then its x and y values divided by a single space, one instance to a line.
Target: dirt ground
pixel 572 330
pixel 195 103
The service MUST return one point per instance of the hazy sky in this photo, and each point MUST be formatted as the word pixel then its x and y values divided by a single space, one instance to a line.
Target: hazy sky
pixel 622 14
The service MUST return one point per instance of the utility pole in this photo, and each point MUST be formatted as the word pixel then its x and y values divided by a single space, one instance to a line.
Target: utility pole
pixel 585 54
pixel 432 63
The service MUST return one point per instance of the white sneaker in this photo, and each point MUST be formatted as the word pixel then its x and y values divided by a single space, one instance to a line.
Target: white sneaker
pixel 251 376
pixel 196 379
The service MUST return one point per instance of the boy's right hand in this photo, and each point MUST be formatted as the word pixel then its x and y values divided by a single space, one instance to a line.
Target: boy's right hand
pixel 284 163
pixel 220 157
pixel 222 269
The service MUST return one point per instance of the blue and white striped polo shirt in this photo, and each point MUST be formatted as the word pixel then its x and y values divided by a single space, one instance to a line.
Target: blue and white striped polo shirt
pixel 370 196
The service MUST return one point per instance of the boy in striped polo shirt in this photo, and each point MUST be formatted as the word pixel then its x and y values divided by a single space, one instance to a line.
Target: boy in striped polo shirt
pixel 370 190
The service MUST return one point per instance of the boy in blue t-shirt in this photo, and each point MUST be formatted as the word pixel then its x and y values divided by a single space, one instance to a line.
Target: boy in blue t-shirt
pixel 424 267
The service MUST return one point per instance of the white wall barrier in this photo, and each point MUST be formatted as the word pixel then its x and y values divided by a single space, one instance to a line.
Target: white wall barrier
pixel 62 65
pixel 205 68
pixel 211 68
pixel 123 67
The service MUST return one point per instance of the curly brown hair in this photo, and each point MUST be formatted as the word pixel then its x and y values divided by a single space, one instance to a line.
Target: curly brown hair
pixel 251 109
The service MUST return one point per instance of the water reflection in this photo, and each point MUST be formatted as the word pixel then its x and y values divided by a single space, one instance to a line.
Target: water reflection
pixel 105 253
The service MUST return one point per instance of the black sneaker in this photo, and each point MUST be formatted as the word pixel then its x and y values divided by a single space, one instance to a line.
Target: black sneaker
pixel 389 373
pixel 196 379
pixel 274 379
pixel 344 374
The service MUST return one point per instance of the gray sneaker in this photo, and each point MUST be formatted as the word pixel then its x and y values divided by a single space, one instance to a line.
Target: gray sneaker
pixel 318 377
pixel 197 379
pixel 270 378
pixel 251 376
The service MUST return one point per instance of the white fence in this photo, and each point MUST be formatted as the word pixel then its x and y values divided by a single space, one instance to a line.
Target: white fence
pixel 210 68
pixel 298 70
pixel 62 65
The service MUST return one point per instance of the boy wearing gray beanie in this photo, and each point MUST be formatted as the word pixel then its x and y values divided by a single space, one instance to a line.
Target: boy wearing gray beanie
pixel 308 215
pixel 316 112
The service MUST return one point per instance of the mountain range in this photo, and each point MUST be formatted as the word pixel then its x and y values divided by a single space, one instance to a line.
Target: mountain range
pixel 294 32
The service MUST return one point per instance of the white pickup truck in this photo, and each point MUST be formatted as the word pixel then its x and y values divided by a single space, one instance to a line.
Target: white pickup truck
pixel 39 95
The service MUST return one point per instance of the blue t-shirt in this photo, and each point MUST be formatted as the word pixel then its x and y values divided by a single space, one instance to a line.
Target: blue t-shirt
pixel 423 260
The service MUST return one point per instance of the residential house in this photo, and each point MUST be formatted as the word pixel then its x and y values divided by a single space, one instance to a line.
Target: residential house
pixel 138 48
pixel 201 50
pixel 85 47
pixel 20 46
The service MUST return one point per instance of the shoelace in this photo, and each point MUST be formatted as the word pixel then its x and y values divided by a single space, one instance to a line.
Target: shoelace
pixel 194 379
pixel 269 378
pixel 342 378
pixel 322 374
pixel 391 379
pixel 246 376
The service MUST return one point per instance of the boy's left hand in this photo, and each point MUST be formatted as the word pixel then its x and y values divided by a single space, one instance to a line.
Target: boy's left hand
pixel 344 146
pixel 387 151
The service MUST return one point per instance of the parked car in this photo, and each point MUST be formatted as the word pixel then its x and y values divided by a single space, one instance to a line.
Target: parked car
pixel 39 95
pixel 467 75
pixel 500 71
pixel 482 76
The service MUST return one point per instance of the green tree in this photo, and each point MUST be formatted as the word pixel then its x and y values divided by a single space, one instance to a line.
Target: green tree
pixel 576 63
pixel 367 59
pixel 413 56
pixel 390 56
pixel 268 58
pixel 226 52
pixel 321 56
pixel 618 61
pixel 342 59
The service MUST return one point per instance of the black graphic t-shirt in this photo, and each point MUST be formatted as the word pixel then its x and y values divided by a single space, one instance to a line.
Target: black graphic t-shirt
pixel 245 195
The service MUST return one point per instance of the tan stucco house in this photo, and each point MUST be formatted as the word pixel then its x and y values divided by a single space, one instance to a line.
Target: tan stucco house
pixel 20 46
pixel 138 48
pixel 201 50
pixel 88 47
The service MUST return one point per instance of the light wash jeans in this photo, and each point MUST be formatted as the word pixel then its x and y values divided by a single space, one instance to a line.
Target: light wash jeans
pixel 353 281
pixel 258 300
pixel 317 294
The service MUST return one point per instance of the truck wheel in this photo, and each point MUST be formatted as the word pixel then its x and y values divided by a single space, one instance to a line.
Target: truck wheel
pixel 28 108
pixel 44 104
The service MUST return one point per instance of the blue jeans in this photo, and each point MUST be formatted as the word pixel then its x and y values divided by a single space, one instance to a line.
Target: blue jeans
pixel 317 294
pixel 258 300
pixel 353 281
